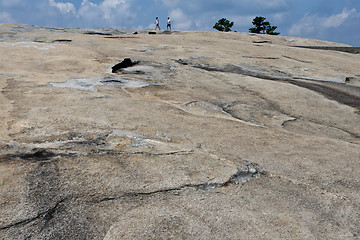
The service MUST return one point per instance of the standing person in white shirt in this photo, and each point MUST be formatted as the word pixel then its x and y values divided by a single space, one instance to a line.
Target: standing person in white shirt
pixel 168 27
pixel 157 23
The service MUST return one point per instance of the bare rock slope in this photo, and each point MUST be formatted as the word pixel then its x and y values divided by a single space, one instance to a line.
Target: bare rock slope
pixel 208 136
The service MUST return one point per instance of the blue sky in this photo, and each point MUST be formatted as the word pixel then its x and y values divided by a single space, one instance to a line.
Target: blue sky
pixel 332 20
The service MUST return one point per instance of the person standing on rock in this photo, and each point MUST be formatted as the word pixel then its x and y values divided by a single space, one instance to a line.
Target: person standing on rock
pixel 168 27
pixel 157 23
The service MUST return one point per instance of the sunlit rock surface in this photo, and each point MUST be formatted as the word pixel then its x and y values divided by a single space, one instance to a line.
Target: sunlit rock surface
pixel 209 136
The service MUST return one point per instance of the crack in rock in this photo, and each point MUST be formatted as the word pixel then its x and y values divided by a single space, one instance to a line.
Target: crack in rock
pixel 164 154
pixel 242 175
pixel 287 121
pixel 46 215
pixel 295 59
pixel 265 58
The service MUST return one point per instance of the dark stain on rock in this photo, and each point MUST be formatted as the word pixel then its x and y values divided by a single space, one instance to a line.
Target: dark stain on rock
pixel 245 173
pixel 44 190
pixel 37 155
pixel 331 93
pixel 327 91
pixel 120 37
pixel 353 50
pixel 113 81
pixel 181 62
pixel 262 41
pixel 124 64
pixel 62 40
pixel 97 33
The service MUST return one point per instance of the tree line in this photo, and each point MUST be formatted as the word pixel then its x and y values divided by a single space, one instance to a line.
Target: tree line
pixel 260 26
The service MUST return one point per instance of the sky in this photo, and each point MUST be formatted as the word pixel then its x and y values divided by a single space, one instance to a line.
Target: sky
pixel 330 20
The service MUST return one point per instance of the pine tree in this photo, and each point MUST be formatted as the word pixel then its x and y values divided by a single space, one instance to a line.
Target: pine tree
pixel 263 27
pixel 223 25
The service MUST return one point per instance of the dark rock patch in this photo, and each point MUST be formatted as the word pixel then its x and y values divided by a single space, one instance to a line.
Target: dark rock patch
pixel 124 64
pixel 113 81
pixel 257 57
pixel 262 41
pixel 97 33
pixel 38 155
pixel 181 62
pixel 298 60
pixel 120 37
pixel 246 173
pixel 62 40
pixel 331 93
pixel 351 79
pixel 353 50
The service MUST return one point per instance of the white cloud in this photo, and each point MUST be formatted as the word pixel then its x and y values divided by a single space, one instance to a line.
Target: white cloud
pixel 87 3
pixel 305 26
pixel 88 13
pixel 6 17
pixel 64 8
pixel 180 19
pixel 313 23
pixel 338 19
pixel 112 8
pixel 341 27
pixel 108 13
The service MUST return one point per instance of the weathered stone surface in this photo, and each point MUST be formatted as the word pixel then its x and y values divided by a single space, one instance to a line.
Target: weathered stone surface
pixel 211 136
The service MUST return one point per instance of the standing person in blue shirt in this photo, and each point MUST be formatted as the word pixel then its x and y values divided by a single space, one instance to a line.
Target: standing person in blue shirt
pixel 168 27
pixel 157 23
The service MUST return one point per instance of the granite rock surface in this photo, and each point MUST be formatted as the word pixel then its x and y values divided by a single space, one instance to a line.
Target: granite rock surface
pixel 209 136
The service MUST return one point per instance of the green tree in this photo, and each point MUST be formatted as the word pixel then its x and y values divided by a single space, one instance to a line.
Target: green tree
pixel 262 26
pixel 223 25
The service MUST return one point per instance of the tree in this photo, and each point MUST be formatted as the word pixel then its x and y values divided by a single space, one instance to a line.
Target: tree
pixel 223 25
pixel 263 27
